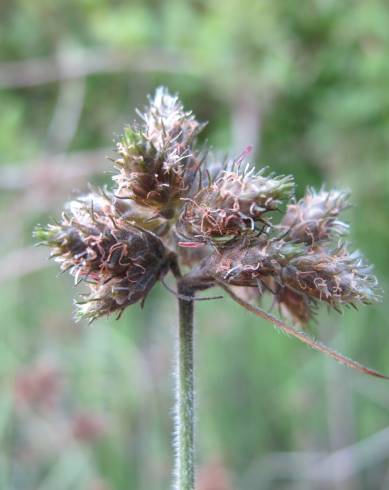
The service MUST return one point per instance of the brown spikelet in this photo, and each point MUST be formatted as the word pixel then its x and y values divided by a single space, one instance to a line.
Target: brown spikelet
pixel 119 261
pixel 295 306
pixel 315 217
pixel 157 161
pixel 246 265
pixel 233 205
pixel 334 276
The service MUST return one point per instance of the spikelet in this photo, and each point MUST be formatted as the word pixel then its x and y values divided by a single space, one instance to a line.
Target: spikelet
pixel 334 276
pixel 250 265
pixel 113 297
pixel 111 255
pixel 315 217
pixel 232 205
pixel 297 307
pixel 331 275
pixel 252 192
pixel 157 161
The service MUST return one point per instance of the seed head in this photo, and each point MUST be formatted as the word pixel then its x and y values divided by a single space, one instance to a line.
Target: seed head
pixel 232 205
pixel 334 276
pixel 253 193
pixel 118 260
pixel 315 217
pixel 169 127
pixel 250 265
pixel 297 274
pixel 157 161
pixel 173 207
pixel 204 219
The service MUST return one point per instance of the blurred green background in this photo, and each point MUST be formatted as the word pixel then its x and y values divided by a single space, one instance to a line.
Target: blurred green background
pixel 89 407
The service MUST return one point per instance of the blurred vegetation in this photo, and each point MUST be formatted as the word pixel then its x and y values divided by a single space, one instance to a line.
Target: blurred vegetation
pixel 89 407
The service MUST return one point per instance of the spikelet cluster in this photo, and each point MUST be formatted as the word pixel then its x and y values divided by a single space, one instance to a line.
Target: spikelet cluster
pixel 169 198
pixel 119 261
pixel 232 206
pixel 301 261
pixel 315 218
pixel 157 160
pixel 335 276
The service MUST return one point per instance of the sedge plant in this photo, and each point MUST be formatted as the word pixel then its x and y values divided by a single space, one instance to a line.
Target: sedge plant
pixel 174 209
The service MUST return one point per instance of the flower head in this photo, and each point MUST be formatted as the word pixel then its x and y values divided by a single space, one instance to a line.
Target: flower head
pixel 334 276
pixel 250 265
pixel 233 205
pixel 173 206
pixel 315 217
pixel 297 275
pixel 253 193
pixel 119 261
pixel 157 160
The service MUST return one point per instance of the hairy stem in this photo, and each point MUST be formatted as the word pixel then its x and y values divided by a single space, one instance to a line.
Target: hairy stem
pixel 306 339
pixel 184 393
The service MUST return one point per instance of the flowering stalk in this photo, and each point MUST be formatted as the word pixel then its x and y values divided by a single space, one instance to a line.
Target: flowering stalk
pixel 170 207
pixel 184 394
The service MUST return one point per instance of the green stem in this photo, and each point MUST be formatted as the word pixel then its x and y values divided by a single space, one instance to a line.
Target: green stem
pixel 184 410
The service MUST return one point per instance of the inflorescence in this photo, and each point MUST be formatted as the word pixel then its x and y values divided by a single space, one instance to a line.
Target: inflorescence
pixel 168 207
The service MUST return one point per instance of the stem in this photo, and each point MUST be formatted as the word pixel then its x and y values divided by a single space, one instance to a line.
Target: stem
pixel 184 393
pixel 306 339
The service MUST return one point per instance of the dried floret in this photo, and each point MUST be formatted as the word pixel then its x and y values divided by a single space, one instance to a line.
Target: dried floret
pixel 297 307
pixel 114 296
